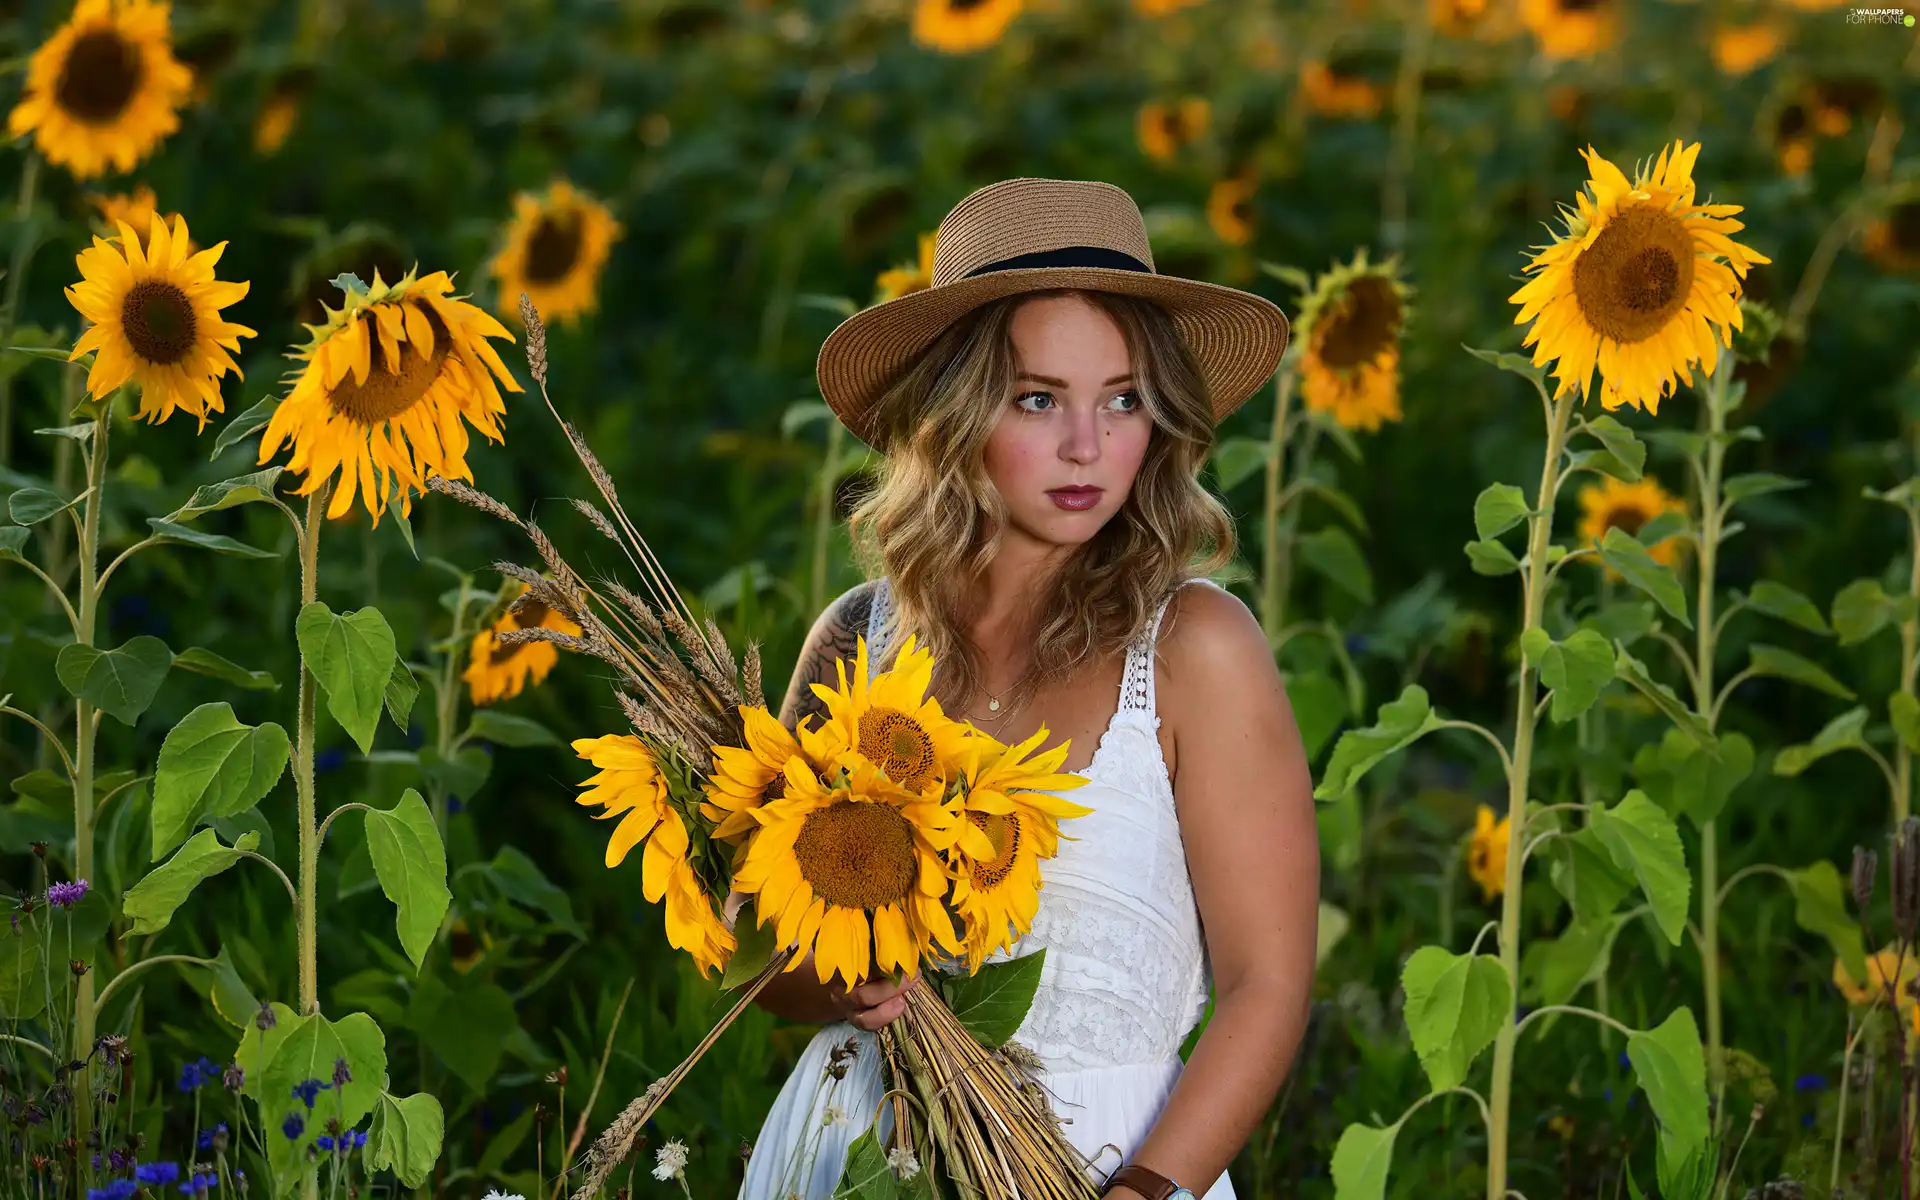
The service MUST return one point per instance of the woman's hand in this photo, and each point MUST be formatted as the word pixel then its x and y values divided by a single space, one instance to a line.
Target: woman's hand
pixel 873 1004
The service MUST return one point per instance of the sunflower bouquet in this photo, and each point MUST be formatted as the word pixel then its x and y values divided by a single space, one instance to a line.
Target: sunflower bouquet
pixel 884 838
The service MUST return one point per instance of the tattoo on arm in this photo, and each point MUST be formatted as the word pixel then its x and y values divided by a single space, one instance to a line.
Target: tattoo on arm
pixel 834 637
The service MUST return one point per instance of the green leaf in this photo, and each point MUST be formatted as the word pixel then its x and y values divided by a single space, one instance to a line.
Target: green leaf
pixel 1672 1070
pixel 241 489
pixel 245 425
pixel 1844 732
pixel 522 881
pixel 1364 1153
pixel 211 765
pixel 1626 555
pixel 1760 483
pixel 1819 906
pixel 232 1000
pixel 119 682
pixel 1582 870
pixel 1519 364
pixel 1778 600
pixel 1861 609
pixel 866 1175
pixel 460 775
pixel 1398 724
pixel 1634 672
pixel 13 539
pixel 1663 526
pixel 993 1001
pixel 754 951
pixel 1643 840
pixel 151 903
pixel 1693 780
pixel 411 862
pixel 23 983
pixel 1489 558
pixel 32 505
pixel 1625 621
pixel 1605 462
pixel 1785 664
pixel 1904 711
pixel 1333 552
pixel 468 1029
pixel 402 690
pixel 1455 1004
pixel 166 531
pixel 1319 704
pixel 352 658
pixel 396 506
pixel 1577 670
pixel 1683 442
pixel 202 661
pixel 1621 443
pixel 1554 969
pixel 505 729
pixel 1497 509
pixel 308 1051
pixel 405 1137
pixel 1235 458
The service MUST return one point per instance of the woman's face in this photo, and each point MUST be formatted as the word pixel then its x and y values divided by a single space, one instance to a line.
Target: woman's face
pixel 1073 418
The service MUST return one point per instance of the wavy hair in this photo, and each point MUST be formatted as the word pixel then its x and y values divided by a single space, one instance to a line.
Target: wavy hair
pixel 931 518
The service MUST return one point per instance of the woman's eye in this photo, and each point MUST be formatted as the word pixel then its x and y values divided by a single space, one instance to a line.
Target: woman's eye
pixel 1048 396
pixel 1134 397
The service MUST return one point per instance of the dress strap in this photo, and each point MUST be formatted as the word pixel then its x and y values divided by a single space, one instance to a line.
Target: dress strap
pixel 1136 689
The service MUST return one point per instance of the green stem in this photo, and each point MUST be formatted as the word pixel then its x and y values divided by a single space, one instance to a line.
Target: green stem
pixel 86 729
pixel 142 965
pixel 16 277
pixel 309 832
pixel 1712 516
pixel 1539 534
pixel 1909 656
pixel 1277 525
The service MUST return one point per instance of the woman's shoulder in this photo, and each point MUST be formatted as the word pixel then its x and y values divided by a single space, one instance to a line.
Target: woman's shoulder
pixel 1208 632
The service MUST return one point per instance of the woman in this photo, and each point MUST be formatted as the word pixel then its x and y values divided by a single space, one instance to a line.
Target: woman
pixel 1045 408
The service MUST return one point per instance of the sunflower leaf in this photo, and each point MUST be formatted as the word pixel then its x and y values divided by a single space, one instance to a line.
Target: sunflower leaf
pixel 1519 364
pixel 1582 870
pixel 402 690
pixel 1621 551
pixel 1692 780
pixel 1671 1068
pixel 1862 609
pixel 754 951
pixel 202 661
pixel 32 505
pixel 1682 441
pixel 120 682
pixel 1620 441
pixel 405 1136
pixel 1778 600
pixel 1634 672
pixel 151 903
pixel 411 862
pixel 245 425
pixel 1361 1161
pixel 211 765
pixel 1604 461
pixel 1398 724
pixel 166 531
pixel 1553 969
pixel 1844 732
pixel 1785 664
pixel 351 656
pixel 1644 840
pixel 1819 907
pixel 395 511
pixel 993 1001
pixel 505 729
pixel 1759 483
pixel 1904 711
pixel 1333 553
pixel 242 489
pixel 13 539
pixel 1497 509
pixel 1491 558
pixel 1455 1005
pixel 82 433
pixel 1578 670
pixel 1660 528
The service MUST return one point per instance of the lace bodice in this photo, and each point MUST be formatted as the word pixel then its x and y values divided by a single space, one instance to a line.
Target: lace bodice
pixel 1126 975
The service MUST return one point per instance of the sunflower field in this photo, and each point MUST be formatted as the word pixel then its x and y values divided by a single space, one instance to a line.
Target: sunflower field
pixel 1583 517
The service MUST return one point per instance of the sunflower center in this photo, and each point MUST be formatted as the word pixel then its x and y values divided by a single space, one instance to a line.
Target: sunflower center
pixel 857 855
pixel 100 76
pixel 1575 6
pixel 386 394
pixel 1626 520
pixel 1636 275
pixel 1003 830
pixel 897 744
pixel 961 6
pixel 553 247
pixel 1366 323
pixel 159 321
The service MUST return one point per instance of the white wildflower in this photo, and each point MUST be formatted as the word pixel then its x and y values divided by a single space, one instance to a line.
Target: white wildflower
pixel 904 1164
pixel 672 1160
pixel 492 1194
pixel 834 1116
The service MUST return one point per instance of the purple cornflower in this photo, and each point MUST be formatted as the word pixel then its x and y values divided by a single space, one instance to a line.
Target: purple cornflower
pixel 119 1189
pixel 193 1074
pixel 66 895
pixel 207 1135
pixel 157 1174
pixel 119 1158
pixel 307 1089
pixel 293 1126
pixel 341 1076
pixel 200 1182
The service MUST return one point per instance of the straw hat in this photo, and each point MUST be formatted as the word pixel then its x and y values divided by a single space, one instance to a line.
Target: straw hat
pixel 1023 235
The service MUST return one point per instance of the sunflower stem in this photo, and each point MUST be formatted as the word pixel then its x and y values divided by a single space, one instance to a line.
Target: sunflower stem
pixel 1712 515
pixel 1539 534
pixel 86 729
pixel 1909 650
pixel 1273 560
pixel 303 763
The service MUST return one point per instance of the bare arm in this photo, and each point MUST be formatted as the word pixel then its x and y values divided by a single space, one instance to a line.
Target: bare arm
pixel 1245 802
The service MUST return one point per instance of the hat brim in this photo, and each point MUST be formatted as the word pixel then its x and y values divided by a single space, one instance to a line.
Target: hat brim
pixel 1236 337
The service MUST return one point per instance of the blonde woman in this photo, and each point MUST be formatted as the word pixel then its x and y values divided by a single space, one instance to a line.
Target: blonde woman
pixel 1044 409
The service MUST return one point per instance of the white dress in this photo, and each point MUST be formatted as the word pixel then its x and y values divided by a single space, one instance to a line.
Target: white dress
pixel 1125 980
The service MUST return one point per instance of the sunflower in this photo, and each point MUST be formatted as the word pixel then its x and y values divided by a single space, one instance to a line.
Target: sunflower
pixel 1637 287
pixel 890 721
pixel 1160 8
pixel 1487 852
pixel 1893 240
pixel 1337 93
pixel 1572 28
pixel 1162 129
pixel 496 672
pixel 1351 324
pixel 280 112
pixel 744 778
pixel 1489 20
pixel 958 26
pixel 155 319
pixel 136 209
pixel 1615 504
pixel 386 383
pixel 104 89
pixel 630 786
pixel 1792 137
pixel 851 867
pixel 1010 804
pixel 464 950
pixel 896 282
pixel 1880 968
pixel 1738 49
pixel 555 250
pixel 1230 209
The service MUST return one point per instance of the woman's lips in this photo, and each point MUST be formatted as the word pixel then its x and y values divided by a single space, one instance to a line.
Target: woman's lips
pixel 1076 499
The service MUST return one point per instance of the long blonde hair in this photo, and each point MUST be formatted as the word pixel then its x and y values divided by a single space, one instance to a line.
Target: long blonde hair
pixel 931 519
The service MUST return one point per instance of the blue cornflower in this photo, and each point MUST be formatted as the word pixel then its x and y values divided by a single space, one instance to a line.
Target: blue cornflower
pixel 1624 1060
pixel 193 1074
pixel 355 1138
pixel 293 1126
pixel 307 1089
pixel 157 1173
pixel 119 1189
pixel 324 1142
pixel 66 895
pixel 1809 1083
pixel 201 1183
pixel 206 1135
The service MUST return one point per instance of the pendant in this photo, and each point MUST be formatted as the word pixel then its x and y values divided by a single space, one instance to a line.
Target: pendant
pixel 993 706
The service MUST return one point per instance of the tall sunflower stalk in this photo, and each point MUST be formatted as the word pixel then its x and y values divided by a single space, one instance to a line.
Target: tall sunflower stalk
pixel 1637 290
pixel 859 841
